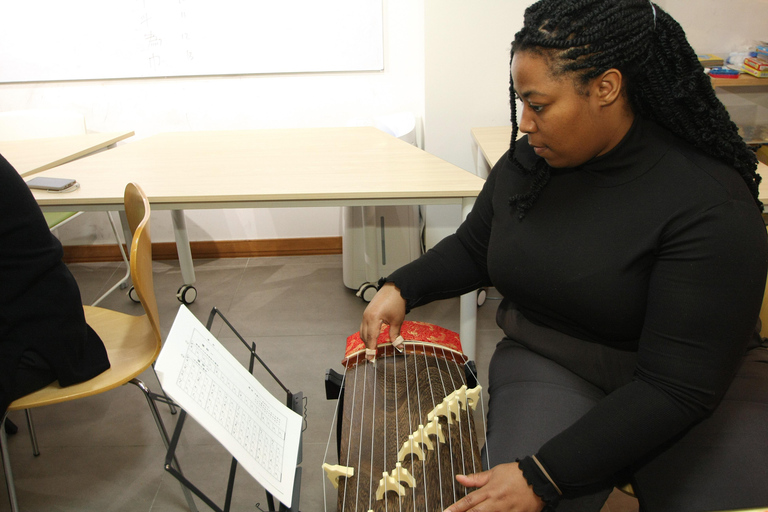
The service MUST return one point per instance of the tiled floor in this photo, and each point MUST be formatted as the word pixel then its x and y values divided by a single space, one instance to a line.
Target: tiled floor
pixel 104 453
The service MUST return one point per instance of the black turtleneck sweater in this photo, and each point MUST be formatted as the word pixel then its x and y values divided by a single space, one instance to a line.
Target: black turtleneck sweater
pixel 653 248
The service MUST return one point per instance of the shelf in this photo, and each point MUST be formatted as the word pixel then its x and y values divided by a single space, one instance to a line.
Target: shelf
pixel 744 80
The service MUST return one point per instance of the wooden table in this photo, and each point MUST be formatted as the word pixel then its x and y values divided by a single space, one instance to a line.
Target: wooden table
pixel 490 142
pixel 357 166
pixel 30 156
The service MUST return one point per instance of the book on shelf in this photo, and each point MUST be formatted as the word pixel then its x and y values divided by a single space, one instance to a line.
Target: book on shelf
pixel 754 71
pixel 709 60
pixel 757 63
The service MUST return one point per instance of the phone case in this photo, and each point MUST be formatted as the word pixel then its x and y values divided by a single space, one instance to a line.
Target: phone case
pixel 51 183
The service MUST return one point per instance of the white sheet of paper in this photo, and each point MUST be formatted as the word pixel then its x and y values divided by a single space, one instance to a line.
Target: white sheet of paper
pixel 225 399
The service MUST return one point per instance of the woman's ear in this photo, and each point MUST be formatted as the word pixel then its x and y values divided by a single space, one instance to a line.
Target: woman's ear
pixel 608 86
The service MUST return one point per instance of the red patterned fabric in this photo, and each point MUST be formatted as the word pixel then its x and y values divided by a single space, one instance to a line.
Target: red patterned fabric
pixel 410 331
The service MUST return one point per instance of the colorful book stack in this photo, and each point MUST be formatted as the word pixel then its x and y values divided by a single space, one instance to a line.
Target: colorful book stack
pixel 758 66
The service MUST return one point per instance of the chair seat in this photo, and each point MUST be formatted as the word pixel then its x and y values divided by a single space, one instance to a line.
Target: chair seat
pixel 54 219
pixel 131 346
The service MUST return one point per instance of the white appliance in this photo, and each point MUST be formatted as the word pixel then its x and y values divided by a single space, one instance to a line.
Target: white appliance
pixel 376 241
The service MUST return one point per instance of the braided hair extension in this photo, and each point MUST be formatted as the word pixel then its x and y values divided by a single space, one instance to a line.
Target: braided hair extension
pixel 664 80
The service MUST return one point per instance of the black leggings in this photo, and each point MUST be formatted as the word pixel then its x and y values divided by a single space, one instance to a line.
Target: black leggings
pixel 719 464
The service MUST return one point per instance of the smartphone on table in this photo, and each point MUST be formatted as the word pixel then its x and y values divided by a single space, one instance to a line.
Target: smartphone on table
pixel 53 184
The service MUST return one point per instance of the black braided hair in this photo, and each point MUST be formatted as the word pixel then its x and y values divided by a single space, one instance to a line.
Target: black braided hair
pixel 664 80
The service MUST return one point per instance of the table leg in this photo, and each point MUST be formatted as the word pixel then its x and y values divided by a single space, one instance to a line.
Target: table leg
pixel 482 168
pixel 182 246
pixel 468 304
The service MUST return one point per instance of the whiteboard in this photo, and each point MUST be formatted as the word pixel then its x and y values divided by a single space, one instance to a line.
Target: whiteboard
pixel 47 40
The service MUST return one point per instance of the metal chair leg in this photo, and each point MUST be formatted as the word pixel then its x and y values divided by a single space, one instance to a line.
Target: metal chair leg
pixel 164 434
pixel 7 467
pixel 32 434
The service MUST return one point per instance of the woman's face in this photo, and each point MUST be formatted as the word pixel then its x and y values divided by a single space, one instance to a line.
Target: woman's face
pixel 565 127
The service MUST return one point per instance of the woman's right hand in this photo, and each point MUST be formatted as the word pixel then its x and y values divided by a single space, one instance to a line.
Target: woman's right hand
pixel 386 308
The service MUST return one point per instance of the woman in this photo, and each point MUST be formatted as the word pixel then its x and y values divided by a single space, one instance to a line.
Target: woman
pixel 624 232
pixel 43 334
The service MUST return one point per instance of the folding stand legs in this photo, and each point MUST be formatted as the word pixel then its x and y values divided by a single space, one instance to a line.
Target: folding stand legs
pixel 164 434
pixel 295 401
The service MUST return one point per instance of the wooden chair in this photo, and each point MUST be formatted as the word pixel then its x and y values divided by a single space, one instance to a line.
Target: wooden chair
pixel 132 342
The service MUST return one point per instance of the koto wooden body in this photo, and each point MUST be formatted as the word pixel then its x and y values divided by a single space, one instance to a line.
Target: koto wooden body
pixel 386 402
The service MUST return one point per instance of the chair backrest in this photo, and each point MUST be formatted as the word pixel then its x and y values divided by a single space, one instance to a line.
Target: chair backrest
pixel 137 210
pixel 41 123
pixel 139 206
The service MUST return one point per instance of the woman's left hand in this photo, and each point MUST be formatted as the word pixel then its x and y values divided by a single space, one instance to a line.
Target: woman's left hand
pixel 500 489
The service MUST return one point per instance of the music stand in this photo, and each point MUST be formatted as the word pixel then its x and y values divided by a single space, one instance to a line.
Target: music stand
pixel 295 401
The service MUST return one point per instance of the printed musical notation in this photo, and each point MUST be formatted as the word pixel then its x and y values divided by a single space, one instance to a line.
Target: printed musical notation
pixel 235 409
pixel 221 395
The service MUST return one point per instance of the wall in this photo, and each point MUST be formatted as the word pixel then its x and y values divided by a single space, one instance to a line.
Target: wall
pixel 446 60
pixel 720 27
pixel 150 106
pixel 466 83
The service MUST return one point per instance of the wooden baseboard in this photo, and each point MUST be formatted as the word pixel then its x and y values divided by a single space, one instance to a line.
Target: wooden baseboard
pixel 213 249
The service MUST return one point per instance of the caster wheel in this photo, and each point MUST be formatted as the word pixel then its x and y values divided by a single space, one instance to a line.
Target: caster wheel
pixel 367 291
pixel 133 295
pixel 482 294
pixel 187 294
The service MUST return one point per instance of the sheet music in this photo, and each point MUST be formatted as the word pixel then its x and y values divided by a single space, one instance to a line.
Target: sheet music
pixel 222 396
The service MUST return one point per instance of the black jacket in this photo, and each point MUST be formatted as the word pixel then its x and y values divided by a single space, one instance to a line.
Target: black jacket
pixel 40 305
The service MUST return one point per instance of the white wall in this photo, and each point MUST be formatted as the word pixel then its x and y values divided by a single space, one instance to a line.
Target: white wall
pixel 720 27
pixel 150 106
pixel 466 83
pixel 445 60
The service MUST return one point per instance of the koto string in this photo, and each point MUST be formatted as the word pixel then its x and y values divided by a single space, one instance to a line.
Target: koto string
pixel 460 370
pixel 450 436
pixel 410 421
pixel 397 421
pixel 330 435
pixel 421 422
pixel 432 396
pixel 471 434
pixel 461 423
pixel 349 444
pixel 485 429
pixel 384 412
pixel 360 451
pixel 373 429
pixel 397 409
